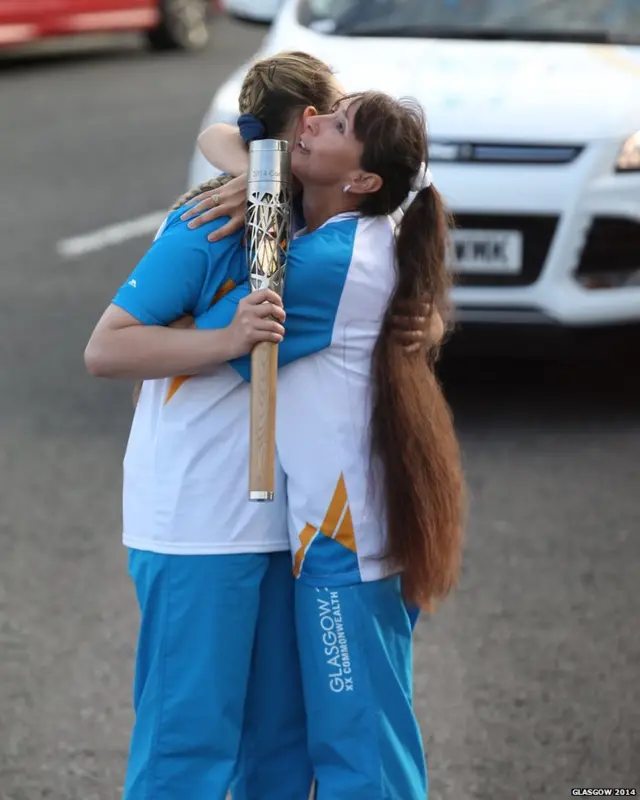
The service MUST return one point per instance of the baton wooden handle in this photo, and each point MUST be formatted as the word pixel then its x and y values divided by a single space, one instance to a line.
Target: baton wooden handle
pixel 262 447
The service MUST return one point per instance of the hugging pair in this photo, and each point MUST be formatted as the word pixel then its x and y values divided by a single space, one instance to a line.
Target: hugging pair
pixel 275 639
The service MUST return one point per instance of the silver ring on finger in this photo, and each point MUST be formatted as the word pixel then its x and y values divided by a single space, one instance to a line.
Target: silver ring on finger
pixel 215 199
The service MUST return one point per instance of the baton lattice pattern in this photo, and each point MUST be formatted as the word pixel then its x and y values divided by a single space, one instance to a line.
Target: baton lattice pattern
pixel 268 231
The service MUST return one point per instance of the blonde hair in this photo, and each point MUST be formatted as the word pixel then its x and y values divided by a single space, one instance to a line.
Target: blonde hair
pixel 276 88
pixel 206 186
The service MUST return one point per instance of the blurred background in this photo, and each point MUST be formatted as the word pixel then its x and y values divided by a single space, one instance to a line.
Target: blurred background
pixel 528 678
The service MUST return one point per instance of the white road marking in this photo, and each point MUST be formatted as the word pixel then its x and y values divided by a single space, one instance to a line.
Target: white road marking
pixel 112 235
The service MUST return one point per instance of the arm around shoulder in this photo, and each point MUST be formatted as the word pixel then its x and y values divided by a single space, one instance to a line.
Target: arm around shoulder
pixel 222 146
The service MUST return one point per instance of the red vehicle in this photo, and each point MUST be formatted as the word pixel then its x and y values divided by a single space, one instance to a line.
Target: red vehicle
pixel 167 24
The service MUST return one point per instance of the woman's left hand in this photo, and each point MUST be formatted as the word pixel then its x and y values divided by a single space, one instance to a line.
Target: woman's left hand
pixel 229 200
pixel 418 326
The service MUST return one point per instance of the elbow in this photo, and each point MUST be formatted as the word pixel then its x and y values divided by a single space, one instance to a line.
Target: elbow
pixel 207 146
pixel 203 138
pixel 96 361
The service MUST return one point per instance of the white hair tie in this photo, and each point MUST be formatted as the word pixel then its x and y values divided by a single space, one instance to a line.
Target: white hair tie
pixel 423 179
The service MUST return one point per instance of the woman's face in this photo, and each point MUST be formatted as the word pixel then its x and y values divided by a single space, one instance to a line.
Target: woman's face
pixel 327 151
pixel 299 126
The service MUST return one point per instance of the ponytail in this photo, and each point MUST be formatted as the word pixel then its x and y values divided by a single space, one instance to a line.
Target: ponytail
pixel 412 427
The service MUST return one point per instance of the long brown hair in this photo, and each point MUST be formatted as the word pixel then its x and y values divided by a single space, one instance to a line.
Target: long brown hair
pixel 412 428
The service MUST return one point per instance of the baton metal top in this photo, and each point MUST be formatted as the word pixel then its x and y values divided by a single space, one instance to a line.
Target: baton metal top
pixel 260 145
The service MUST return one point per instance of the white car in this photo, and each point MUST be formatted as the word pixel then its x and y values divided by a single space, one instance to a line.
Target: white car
pixel 257 10
pixel 534 124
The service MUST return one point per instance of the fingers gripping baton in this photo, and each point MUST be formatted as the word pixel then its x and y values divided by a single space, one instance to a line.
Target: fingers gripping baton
pixel 268 231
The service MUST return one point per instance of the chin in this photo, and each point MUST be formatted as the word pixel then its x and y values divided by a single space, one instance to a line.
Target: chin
pixel 299 165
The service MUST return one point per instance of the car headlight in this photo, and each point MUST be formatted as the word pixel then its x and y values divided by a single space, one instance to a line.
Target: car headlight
pixel 629 158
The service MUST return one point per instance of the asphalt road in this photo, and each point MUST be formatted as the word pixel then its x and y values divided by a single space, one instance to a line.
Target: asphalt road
pixel 527 680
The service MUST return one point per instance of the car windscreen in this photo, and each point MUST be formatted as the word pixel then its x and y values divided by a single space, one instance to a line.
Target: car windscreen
pixel 600 21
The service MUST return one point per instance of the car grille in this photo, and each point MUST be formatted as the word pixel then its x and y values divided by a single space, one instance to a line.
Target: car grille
pixel 488 153
pixel 537 232
pixel 612 246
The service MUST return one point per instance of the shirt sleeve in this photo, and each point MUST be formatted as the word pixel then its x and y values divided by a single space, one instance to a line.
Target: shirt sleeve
pixel 168 281
pixel 317 269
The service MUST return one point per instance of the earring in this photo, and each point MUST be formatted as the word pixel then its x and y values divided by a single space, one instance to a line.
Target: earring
pixel 347 188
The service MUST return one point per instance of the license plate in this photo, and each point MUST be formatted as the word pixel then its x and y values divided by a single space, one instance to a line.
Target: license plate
pixel 484 251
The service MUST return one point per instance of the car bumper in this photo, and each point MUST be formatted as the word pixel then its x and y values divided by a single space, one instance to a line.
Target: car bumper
pixel 581 224
pixel 559 303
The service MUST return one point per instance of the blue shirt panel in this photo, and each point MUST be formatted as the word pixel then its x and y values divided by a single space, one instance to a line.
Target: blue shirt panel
pixel 182 272
pixel 317 269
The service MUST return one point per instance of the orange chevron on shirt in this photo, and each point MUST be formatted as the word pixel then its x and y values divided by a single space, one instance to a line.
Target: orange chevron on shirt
pixel 305 537
pixel 337 525
pixel 177 382
pixel 226 287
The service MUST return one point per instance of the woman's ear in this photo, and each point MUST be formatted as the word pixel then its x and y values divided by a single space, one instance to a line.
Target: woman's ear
pixel 366 183
pixel 310 111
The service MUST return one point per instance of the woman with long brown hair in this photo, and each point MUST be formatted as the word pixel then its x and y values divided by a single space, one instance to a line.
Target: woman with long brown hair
pixel 374 482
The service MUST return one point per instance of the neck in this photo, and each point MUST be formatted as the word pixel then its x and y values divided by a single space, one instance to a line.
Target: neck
pixel 320 203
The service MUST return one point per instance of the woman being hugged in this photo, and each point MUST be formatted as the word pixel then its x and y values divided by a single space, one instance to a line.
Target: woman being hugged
pixel 374 483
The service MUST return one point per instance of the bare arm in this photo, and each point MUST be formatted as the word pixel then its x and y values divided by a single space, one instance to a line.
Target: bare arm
pixel 223 147
pixel 122 347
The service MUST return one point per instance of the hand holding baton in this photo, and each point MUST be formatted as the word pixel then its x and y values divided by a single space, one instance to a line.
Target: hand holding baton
pixel 268 232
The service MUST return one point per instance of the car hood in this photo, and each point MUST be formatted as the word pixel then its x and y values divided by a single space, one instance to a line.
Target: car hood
pixel 498 91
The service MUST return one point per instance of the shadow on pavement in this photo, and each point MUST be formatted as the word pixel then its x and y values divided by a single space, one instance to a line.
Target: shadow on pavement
pixel 542 394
